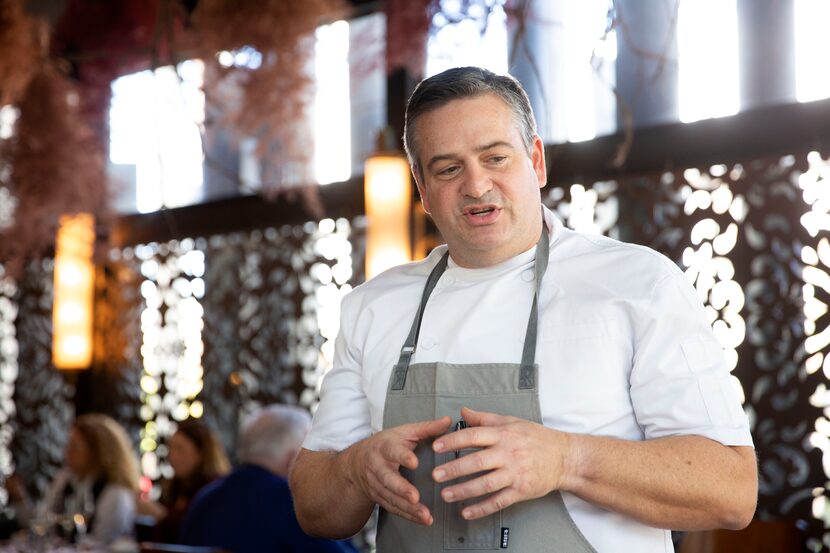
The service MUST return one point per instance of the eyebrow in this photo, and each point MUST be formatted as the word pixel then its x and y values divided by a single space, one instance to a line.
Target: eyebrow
pixel 477 149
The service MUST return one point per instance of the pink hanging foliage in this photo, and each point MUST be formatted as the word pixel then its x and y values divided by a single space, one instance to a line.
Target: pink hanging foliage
pixel 408 23
pixel 18 50
pixel 269 101
pixel 55 166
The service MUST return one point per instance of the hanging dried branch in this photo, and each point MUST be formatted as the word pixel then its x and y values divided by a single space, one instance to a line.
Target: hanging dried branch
pixel 18 50
pixel 408 23
pixel 56 167
pixel 267 101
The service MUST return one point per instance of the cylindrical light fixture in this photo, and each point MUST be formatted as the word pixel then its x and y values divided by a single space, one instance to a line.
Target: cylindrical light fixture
pixel 388 191
pixel 73 292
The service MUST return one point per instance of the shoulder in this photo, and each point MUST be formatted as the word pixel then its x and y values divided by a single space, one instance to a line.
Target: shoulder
pixel 116 501
pixel 117 493
pixel 608 262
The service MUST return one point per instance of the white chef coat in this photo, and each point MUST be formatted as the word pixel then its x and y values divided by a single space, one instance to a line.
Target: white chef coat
pixel 624 350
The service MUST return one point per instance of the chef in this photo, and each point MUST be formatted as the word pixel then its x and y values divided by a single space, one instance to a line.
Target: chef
pixel 524 387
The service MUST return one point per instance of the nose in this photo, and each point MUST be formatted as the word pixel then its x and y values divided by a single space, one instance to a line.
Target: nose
pixel 477 181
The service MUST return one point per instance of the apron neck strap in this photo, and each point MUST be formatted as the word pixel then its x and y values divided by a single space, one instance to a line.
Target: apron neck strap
pixel 526 372
pixel 527 376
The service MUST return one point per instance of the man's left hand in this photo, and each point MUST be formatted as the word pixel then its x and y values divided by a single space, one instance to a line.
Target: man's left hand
pixel 520 460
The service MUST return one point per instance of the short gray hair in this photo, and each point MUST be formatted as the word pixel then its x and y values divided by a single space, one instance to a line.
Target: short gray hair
pixel 466 82
pixel 271 432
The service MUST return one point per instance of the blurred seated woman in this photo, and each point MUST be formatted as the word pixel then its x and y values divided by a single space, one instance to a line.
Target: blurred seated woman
pixel 197 458
pixel 96 487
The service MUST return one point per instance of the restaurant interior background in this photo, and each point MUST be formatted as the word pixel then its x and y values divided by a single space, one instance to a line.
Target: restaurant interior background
pixel 223 153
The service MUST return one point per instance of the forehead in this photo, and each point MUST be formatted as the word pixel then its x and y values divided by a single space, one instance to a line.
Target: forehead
pixel 465 123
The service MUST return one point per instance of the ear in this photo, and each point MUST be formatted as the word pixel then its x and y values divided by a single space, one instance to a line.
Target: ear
pixel 537 157
pixel 422 191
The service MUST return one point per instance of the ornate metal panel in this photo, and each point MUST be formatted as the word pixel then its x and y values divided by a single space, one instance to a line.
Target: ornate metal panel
pixel 118 368
pixel 227 323
pixel 171 330
pixel 44 407
pixel 593 209
pixel 271 316
pixel 813 367
pixel 8 374
pixel 753 239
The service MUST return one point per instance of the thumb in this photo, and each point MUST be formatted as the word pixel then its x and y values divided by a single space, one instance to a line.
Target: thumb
pixel 428 429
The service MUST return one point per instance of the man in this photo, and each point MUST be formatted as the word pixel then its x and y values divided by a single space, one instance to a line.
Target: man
pixel 250 510
pixel 525 387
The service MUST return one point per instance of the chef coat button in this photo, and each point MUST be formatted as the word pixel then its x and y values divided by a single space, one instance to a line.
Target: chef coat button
pixel 527 275
pixel 428 343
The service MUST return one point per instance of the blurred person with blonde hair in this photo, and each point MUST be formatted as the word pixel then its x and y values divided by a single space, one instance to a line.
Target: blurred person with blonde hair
pixel 97 485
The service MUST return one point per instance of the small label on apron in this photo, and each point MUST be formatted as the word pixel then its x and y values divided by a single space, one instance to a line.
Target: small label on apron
pixel 505 537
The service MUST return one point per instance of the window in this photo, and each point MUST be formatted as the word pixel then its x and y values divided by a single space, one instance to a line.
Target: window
pixel 462 43
pixel 588 58
pixel 707 43
pixel 155 120
pixel 812 42
pixel 332 134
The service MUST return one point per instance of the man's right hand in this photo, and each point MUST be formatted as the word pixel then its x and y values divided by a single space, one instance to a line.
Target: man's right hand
pixel 375 464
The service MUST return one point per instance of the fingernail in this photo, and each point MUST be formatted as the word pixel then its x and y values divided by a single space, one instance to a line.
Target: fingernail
pixel 467 514
pixel 438 446
pixel 439 474
pixel 448 495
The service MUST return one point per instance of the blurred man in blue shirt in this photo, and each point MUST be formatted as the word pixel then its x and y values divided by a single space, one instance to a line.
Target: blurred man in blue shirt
pixel 250 510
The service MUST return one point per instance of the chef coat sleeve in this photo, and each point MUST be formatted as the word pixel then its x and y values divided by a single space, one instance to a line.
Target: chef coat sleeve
pixel 342 416
pixel 680 384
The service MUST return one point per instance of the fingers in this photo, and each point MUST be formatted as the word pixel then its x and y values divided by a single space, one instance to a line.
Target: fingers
pixel 485 484
pixel 483 418
pixel 399 453
pixel 427 429
pixel 473 437
pixel 394 494
pixel 466 465
pixel 492 504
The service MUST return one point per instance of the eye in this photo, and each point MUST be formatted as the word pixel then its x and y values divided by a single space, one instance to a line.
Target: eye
pixel 497 159
pixel 449 171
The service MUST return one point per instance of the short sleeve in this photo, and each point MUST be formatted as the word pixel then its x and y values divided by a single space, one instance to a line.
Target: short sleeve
pixel 680 384
pixel 342 417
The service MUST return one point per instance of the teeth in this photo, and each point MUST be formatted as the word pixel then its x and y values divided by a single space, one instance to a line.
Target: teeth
pixel 481 211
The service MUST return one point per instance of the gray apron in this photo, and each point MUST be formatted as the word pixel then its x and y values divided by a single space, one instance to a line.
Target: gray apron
pixel 427 391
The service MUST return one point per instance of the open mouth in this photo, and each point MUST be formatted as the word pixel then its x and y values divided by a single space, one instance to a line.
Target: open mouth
pixel 481 211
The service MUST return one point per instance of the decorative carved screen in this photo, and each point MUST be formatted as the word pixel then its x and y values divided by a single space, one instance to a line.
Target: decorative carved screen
pixel 753 239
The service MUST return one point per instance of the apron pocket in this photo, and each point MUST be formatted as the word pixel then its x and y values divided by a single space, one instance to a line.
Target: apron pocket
pixel 459 533
pixel 482 533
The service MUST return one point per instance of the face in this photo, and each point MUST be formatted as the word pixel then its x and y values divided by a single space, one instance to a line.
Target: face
pixel 77 454
pixel 478 181
pixel 183 455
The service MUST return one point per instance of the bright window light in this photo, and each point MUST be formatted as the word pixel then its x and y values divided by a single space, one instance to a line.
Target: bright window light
pixel 812 42
pixel 584 27
pixel 707 44
pixel 461 44
pixel 8 116
pixel 332 131
pixel 155 120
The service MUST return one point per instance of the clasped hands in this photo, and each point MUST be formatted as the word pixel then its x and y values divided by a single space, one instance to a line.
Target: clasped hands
pixel 517 460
